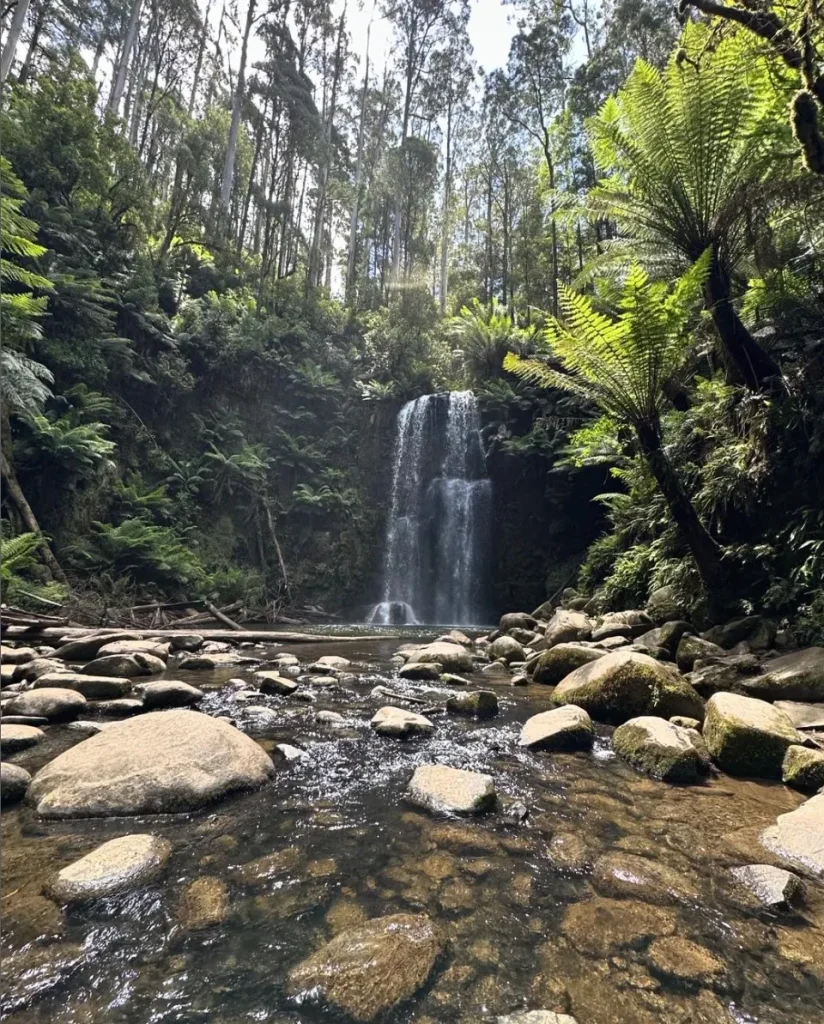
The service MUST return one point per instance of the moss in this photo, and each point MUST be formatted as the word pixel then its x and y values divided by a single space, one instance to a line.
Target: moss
pixel 740 748
pixel 803 768
pixel 633 744
pixel 805 128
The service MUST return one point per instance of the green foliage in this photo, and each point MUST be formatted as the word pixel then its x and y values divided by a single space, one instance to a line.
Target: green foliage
pixel 21 573
pixel 484 334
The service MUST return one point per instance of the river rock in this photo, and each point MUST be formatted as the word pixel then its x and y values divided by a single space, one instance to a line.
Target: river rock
pixel 87 647
pixel 286 752
pixel 624 685
pixel 798 837
pixel 367 970
pixel 677 957
pixel 128 666
pixel 204 661
pixel 153 647
pixel 185 642
pixel 476 703
pixel 566 627
pixel 629 624
pixel 664 605
pixel 803 716
pixel 659 748
pixel 526 637
pixel 121 708
pixel 746 736
pixel 273 682
pixel 505 648
pixel 31 670
pixel 169 693
pixel 204 904
pixel 428 671
pixel 117 866
pixel 517 620
pixel 536 1017
pixel 329 663
pixel 731 674
pixel 55 703
pixel 556 663
pixel 600 927
pixel 565 728
pixel 16 655
pixel 496 670
pixel 14 780
pixel 451 657
pixel 442 789
pixel 754 630
pixel 162 762
pixel 400 723
pixel 771 886
pixel 798 676
pixel 803 768
pixel 91 687
pixel 14 738
pixel 693 648
pixel 626 875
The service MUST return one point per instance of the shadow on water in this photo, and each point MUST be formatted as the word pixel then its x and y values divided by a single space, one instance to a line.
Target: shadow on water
pixel 611 900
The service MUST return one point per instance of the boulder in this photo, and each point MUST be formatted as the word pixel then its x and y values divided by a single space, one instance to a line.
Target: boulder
pixel 286 752
pixel 57 704
pixel 371 968
pixel 16 655
pixel 536 1017
pixel 273 682
pixel 746 736
pixel 692 648
pixel 185 642
pixel 798 676
pixel 664 605
pixel 121 708
pixel 91 687
pixel 400 723
pixel 666 637
pixel 162 762
pixel 451 657
pixel 429 671
pixel 169 693
pixel 556 663
pixel 803 768
pixel 475 703
pixel 505 648
pixel 496 670
pixel 206 661
pixel 284 659
pixel 203 904
pixel 31 670
pixel 14 738
pixel 450 679
pixel 566 627
pixel 330 663
pixel 155 648
pixel 128 666
pixel 115 867
pixel 773 887
pixel 754 630
pixel 517 620
pixel 798 837
pixel 659 748
pixel 566 728
pixel 624 685
pixel 686 723
pixel 14 781
pixel 628 624
pixel 621 875
pixel 455 636
pixel 803 716
pixel 441 789
pixel 525 637
pixel 87 647
pixel 729 674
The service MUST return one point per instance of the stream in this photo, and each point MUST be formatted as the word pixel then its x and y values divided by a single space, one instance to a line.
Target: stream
pixel 611 900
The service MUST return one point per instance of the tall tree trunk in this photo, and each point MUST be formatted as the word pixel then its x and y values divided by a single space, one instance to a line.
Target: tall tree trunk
pixel 550 163
pixel 237 110
pixel 201 49
pixel 18 20
pixel 34 42
pixel 119 81
pixel 353 216
pixel 745 357
pixel 447 199
pixel 18 499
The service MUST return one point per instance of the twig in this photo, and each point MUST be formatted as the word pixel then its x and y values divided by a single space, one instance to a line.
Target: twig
pixel 219 615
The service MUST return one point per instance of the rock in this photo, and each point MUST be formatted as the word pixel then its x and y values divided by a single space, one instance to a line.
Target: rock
pixel 153 647
pixel 289 753
pixel 691 648
pixel 679 958
pixel 272 682
pixel 517 620
pixel 119 708
pixel 626 875
pixel 169 693
pixel 441 789
pixel 496 670
pixel 455 636
pixel 87 648
pixel 556 663
pixel 476 703
pixel 219 659
pixel 566 728
pixel 525 637
pixel 204 904
pixel 91 687
pixel 366 970
pixel 536 1017
pixel 329 663
pixel 16 655
pixel 24 720
pixel 544 612
pixel 686 723
pixel 185 642
pixel 600 927
pixel 730 674
pixel 162 762
pixel 798 837
pixel 566 627
pixel 430 671
pixel 519 679
pixel 664 605
pixel 666 637
pixel 803 716
pixel 260 718
pixel 746 736
pixel 754 630
pixel 659 748
pixel 284 659
pixel 451 657
pixel 400 723
pixel 771 886
pixel 505 648
pixel 14 780
pixel 624 685
pixel 14 738
pixel 798 677
pixel 56 704
pixel 128 666
pixel 803 768
pixel 329 718
pixel 31 670
pixel 625 624
pixel 115 867
pixel 89 728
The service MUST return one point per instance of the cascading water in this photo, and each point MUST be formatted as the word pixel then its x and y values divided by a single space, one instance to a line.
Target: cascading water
pixel 439 531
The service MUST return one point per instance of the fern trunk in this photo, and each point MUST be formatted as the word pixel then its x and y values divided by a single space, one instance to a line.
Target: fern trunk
pixel 15 494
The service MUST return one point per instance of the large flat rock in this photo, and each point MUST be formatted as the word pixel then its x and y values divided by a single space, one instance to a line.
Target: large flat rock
pixel 116 866
pixel 56 703
pixel 798 837
pixel 160 763
pixel 442 789
pixel 798 676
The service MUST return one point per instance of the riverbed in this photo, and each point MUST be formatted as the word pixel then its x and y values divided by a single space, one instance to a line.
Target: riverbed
pixel 591 889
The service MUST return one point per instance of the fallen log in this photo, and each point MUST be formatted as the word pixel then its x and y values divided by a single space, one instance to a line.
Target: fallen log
pixel 268 636
pixel 221 617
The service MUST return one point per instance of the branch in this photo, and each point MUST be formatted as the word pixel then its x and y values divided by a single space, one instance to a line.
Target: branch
pixel 764 24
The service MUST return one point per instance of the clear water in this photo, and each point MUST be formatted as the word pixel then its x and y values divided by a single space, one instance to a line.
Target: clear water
pixel 506 895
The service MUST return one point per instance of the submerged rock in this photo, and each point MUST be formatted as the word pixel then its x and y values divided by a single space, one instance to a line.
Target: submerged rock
pixel 659 748
pixel 566 626
pixel 91 687
pixel 477 703
pixel 451 657
pixel 367 970
pixel 170 693
pixel 625 875
pixel 746 736
pixel 115 867
pixel 57 704
pixel 14 738
pixel 14 781
pixel 536 1017
pixel 442 789
pixel 679 958
pixel 556 664
pixel 798 676
pixel 803 768
pixel 566 728
pixel 128 666
pixel 273 682
pixel 159 763
pixel 204 904
pixel 400 723
pixel 600 927
pixel 798 836
pixel 771 886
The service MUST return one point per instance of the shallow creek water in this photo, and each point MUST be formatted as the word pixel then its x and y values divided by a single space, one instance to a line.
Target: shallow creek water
pixel 611 901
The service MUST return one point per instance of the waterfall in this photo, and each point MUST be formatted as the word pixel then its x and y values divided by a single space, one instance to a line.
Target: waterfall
pixel 439 529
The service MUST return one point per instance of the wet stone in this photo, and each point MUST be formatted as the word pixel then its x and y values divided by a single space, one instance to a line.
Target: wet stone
pixel 14 738
pixel 475 703
pixel 400 723
pixel 771 886
pixel 440 788
pixel 14 781
pixel 679 958
pixel 169 693
pixel 536 1017
pixel 117 866
pixel 272 682
pixel 599 926
pixel 204 904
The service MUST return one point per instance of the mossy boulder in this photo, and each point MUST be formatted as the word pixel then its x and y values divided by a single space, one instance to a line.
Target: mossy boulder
pixel 555 664
pixel 626 684
pixel 803 768
pixel 664 605
pixel 659 748
pixel 692 649
pixel 474 703
pixel 566 626
pixel 505 648
pixel 746 736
